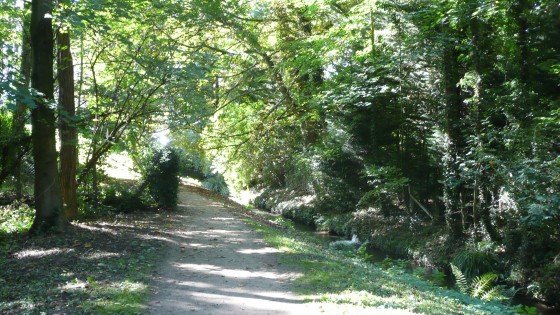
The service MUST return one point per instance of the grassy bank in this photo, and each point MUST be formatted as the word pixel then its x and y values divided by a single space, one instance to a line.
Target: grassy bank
pixel 334 276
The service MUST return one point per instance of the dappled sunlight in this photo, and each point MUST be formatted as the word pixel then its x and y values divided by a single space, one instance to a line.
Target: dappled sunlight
pixel 120 166
pixel 220 266
pixel 129 286
pixel 97 228
pixel 100 255
pixel 254 301
pixel 261 251
pixel 73 285
pixel 194 284
pixel 229 273
pixel 213 231
pixel 223 218
pixel 159 238
pixel 38 253
pixel 198 245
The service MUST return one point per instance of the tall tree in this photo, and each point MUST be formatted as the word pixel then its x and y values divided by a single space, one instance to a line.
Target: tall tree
pixel 68 135
pixel 20 115
pixel 48 200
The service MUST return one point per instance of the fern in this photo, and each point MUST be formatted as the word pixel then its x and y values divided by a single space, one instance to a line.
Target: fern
pixel 493 294
pixel 481 287
pixel 460 279
pixel 482 284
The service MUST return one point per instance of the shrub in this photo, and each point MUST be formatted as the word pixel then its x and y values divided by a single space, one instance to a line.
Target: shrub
pixel 550 284
pixel 476 259
pixel 482 287
pixel 16 217
pixel 217 183
pixel 194 165
pixel 162 177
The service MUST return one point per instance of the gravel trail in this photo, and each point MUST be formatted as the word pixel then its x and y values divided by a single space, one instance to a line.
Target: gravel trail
pixel 216 264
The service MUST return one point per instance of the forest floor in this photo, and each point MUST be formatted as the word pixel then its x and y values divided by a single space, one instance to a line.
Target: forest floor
pixel 211 256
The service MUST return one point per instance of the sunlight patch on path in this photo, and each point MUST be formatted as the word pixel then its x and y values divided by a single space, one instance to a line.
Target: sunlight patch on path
pixel 218 265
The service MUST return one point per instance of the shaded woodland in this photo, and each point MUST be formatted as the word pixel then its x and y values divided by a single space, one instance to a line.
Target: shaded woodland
pixel 429 128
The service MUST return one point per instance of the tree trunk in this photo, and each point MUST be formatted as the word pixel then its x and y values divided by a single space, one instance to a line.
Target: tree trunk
pixel 525 107
pixel 453 183
pixel 68 135
pixel 485 183
pixel 18 126
pixel 48 200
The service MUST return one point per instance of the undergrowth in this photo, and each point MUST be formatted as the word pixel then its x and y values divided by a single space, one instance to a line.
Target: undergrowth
pixel 331 276
pixel 99 267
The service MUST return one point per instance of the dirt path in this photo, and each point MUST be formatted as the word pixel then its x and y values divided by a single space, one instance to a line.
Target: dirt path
pixel 217 265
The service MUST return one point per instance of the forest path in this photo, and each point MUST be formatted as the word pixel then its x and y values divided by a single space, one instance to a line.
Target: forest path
pixel 216 264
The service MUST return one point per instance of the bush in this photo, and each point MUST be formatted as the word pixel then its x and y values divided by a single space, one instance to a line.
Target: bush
pixel 476 259
pixel 194 165
pixel 16 218
pixel 124 200
pixel 550 284
pixel 217 183
pixel 162 177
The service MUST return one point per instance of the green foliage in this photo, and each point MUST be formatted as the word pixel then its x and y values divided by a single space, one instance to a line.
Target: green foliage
pixel 16 218
pixel 550 282
pixel 476 259
pixel 460 279
pixel 216 182
pixel 438 277
pixel 526 310
pixel 335 223
pixel 198 166
pixel 379 111
pixel 387 184
pixel 194 165
pixel 331 276
pixel 162 177
pixel 482 286
pixel 124 199
pixel 100 267
pixel 363 251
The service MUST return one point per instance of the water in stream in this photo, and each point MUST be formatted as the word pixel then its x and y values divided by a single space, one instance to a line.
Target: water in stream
pixel 378 256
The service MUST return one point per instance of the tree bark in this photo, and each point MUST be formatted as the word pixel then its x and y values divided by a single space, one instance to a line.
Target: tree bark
pixel 48 200
pixel 67 127
pixel 453 183
pixel 484 184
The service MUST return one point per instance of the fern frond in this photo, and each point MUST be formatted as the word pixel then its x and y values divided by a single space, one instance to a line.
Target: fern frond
pixel 460 279
pixel 481 284
pixel 493 294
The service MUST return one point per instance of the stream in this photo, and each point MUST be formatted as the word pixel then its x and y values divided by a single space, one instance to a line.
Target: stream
pixel 378 255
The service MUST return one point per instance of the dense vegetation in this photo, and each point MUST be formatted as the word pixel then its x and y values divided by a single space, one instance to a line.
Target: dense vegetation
pixel 430 128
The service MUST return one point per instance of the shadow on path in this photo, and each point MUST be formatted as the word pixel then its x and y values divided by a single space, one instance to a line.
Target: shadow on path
pixel 217 265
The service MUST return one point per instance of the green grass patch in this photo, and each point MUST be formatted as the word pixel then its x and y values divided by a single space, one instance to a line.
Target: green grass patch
pixel 332 276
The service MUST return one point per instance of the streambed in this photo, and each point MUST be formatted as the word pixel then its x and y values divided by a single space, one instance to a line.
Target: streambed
pixel 378 256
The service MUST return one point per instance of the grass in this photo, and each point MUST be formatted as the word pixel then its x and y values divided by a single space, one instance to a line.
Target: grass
pixel 332 276
pixel 103 266
pixel 99 267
